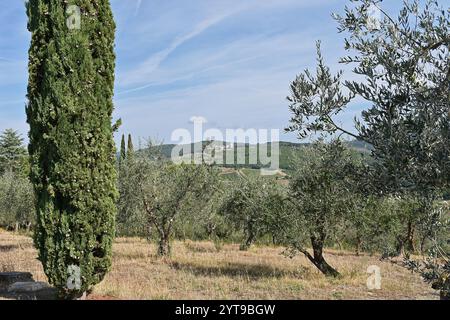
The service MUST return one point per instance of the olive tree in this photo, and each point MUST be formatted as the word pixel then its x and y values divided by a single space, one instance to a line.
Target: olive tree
pixel 130 220
pixel 435 269
pixel 319 192
pixel 255 205
pixel 405 64
pixel 17 201
pixel 207 223
pixel 168 191
pixel 403 71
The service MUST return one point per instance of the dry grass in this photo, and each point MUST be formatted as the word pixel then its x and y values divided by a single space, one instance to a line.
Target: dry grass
pixel 198 271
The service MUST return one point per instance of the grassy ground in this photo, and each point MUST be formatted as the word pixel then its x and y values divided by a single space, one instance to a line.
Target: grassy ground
pixel 198 271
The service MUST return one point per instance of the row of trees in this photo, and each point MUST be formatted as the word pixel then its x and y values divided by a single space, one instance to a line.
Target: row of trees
pixel 323 204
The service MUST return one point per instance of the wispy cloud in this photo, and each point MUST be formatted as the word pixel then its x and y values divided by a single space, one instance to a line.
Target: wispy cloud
pixel 140 74
pixel 191 75
pixel 233 60
pixel 138 6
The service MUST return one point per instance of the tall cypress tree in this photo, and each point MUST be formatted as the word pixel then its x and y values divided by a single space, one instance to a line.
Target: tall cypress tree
pixel 71 82
pixel 123 152
pixel 130 149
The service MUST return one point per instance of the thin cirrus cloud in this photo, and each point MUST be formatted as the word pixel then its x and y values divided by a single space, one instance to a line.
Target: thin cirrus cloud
pixel 138 74
pixel 234 59
pixel 152 63
pixel 138 6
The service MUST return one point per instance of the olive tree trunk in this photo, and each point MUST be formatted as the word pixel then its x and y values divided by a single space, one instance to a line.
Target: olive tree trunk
pixel 164 247
pixel 317 258
pixel 249 241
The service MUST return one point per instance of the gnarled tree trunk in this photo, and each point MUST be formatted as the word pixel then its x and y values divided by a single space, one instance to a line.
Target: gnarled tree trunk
pixel 250 239
pixel 409 241
pixel 317 258
pixel 358 244
pixel 164 248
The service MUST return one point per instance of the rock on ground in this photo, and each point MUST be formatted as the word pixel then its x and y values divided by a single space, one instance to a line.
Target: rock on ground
pixel 8 278
pixel 21 286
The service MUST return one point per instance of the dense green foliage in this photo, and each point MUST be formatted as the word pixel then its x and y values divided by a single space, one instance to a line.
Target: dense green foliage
pixel 71 81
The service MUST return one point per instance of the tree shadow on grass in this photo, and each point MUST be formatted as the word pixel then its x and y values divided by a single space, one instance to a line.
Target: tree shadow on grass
pixel 240 270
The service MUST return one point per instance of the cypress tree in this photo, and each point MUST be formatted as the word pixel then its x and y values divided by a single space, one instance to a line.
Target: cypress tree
pixel 130 149
pixel 70 89
pixel 123 152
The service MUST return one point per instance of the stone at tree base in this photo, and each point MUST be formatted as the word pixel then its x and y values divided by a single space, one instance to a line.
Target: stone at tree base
pixel 8 278
pixel 32 291
pixel 27 286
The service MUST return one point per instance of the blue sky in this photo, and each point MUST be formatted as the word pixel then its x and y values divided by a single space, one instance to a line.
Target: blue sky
pixel 230 62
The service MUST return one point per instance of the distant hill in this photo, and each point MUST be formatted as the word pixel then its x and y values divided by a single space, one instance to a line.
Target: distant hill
pixel 288 151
